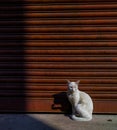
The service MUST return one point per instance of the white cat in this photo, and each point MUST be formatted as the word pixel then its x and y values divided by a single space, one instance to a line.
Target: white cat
pixel 82 105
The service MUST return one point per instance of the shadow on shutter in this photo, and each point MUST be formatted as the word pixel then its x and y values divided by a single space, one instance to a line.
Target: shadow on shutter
pixel 12 62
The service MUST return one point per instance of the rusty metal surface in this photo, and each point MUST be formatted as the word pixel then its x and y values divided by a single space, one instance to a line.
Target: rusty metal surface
pixel 45 42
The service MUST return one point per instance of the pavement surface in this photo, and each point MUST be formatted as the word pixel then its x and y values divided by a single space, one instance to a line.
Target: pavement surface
pixel 55 122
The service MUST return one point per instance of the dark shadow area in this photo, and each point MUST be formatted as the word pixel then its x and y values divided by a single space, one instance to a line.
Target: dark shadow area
pixel 12 63
pixel 61 103
pixel 22 122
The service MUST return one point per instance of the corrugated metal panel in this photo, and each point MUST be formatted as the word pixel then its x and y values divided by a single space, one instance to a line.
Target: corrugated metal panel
pixel 44 42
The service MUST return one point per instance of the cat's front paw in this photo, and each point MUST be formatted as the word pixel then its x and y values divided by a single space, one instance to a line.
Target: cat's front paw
pixel 71 116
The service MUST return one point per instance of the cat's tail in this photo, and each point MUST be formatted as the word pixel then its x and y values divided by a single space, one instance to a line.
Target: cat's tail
pixel 81 118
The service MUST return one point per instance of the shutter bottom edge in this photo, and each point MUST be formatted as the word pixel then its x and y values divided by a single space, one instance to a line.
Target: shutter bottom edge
pixel 50 105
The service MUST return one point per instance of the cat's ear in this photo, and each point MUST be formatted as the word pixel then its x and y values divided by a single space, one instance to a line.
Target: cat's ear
pixel 68 81
pixel 78 81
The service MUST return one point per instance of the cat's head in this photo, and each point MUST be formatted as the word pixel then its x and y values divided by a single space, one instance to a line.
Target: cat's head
pixel 73 86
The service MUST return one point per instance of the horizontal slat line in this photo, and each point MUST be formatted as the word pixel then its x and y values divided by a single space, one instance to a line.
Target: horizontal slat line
pixel 32 94
pixel 58 88
pixel 77 6
pixel 57 81
pixel 32 56
pixel 59 52
pixel 59 29
pixel 60 37
pixel 14 70
pixel 28 65
pixel 61 44
pixel 50 94
pixel 60 15
pixel 57 66
pixel 24 75
pixel 53 71
pixel 39 92
pixel 61 62
pixel 57 56
pixel 60 73
pixel 104 96
pixel 61 48
pixel 57 34
pixel 60 59
pixel 61 22
pixel 62 1
pixel 24 41
pixel 72 7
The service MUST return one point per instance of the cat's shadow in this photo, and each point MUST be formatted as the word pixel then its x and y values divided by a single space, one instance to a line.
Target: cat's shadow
pixel 61 103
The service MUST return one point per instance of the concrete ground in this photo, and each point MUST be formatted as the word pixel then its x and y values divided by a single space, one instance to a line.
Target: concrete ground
pixel 55 122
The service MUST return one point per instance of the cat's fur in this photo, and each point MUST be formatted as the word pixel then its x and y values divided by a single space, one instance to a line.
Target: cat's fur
pixel 82 105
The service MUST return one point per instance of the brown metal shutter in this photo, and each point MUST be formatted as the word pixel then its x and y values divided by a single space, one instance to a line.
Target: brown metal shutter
pixel 44 42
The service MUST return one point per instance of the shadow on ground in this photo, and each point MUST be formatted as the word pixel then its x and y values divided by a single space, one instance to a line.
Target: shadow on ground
pixel 22 122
